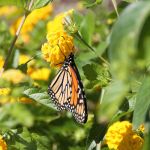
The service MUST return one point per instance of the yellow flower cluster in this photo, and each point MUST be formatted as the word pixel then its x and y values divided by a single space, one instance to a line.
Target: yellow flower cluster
pixel 7 10
pixel 120 136
pixel 1 62
pixel 4 91
pixel 6 98
pixel 59 44
pixel 33 18
pixel 3 145
pixel 39 74
pixel 13 75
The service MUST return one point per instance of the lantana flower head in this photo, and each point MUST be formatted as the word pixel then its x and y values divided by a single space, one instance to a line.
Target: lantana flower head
pixel 3 145
pixel 59 43
pixel 32 19
pixel 120 136
pixel 13 75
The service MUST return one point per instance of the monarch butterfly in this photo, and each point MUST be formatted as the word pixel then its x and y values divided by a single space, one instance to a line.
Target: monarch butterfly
pixel 66 91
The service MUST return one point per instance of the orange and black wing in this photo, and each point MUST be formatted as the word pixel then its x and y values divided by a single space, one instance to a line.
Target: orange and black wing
pixel 66 91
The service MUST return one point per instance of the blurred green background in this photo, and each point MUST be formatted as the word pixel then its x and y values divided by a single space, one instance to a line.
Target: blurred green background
pixel 115 91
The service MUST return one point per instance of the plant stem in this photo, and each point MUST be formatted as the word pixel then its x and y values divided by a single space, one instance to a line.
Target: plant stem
pixel 115 7
pixel 15 38
pixel 77 35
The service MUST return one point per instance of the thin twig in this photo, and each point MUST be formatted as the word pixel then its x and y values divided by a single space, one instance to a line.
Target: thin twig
pixel 77 35
pixel 16 37
pixel 115 7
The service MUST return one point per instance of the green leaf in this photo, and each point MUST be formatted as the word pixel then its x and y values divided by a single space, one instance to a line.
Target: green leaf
pixel 142 103
pixel 101 48
pixel 87 27
pixel 146 145
pixel 89 4
pixel 130 1
pixel 40 3
pixel 15 109
pixel 21 139
pixel 90 72
pixel 114 94
pixel 95 72
pixel 124 39
pixel 39 96
pixel 19 3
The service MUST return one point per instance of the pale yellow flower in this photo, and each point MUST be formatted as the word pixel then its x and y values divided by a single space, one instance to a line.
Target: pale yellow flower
pixel 33 18
pixel 23 59
pixel 120 136
pixel 39 74
pixel 1 62
pixel 7 10
pixel 13 75
pixel 4 91
pixel 3 145
pixel 57 24
pixel 59 44
pixel 25 100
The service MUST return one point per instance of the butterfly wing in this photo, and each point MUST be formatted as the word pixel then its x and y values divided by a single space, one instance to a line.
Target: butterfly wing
pixel 78 98
pixel 66 91
pixel 60 89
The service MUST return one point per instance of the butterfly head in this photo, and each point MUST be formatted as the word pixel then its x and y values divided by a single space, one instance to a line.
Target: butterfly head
pixel 69 60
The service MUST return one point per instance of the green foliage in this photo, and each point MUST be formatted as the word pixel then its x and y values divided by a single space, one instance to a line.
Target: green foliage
pixel 40 3
pixel 116 90
pixel 39 96
pixel 19 3
pixel 124 44
pixel 143 99
pixel 88 24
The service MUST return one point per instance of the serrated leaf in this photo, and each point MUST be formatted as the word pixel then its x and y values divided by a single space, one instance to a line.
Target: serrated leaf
pixel 39 96
pixel 142 99
pixel 90 72
pixel 19 3
pixel 40 3
pixel 95 72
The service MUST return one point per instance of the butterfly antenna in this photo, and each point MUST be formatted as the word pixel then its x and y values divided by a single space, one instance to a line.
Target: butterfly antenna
pixel 61 51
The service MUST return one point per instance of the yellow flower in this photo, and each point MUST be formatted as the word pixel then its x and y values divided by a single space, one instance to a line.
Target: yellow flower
pixel 1 62
pixel 33 18
pixel 4 91
pixel 57 24
pixel 3 145
pixel 7 10
pixel 23 59
pixel 59 44
pixel 25 100
pixel 13 75
pixel 120 136
pixel 5 97
pixel 39 74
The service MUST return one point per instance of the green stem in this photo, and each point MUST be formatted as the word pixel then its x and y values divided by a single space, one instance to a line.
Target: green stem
pixel 115 7
pixel 77 35
pixel 16 37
